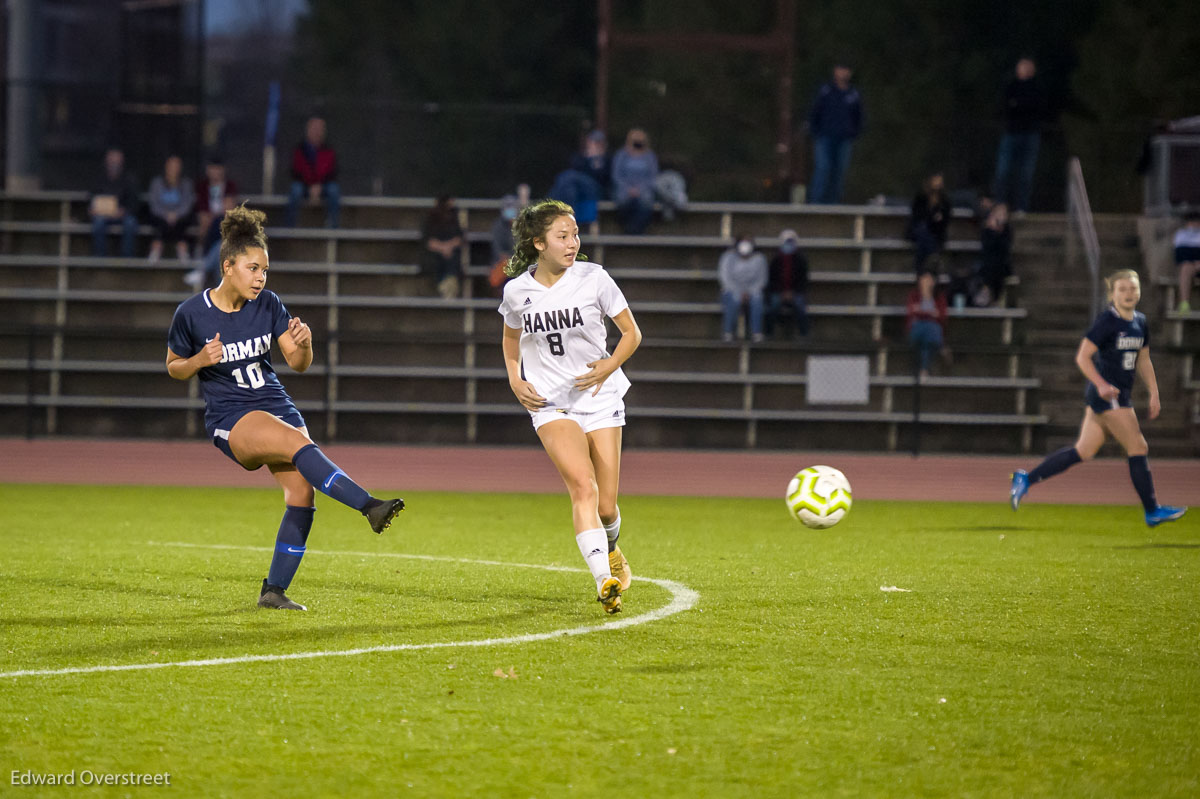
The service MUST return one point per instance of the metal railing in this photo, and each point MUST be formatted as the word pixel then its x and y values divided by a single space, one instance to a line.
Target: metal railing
pixel 1081 229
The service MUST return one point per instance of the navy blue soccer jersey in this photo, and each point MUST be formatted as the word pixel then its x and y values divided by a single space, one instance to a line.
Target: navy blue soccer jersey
pixel 244 380
pixel 1118 342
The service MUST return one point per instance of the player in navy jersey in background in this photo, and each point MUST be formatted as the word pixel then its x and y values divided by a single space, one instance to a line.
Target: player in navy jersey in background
pixel 559 367
pixel 224 336
pixel 1115 348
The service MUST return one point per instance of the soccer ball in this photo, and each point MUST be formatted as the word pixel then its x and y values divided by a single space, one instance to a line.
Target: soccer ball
pixel 818 497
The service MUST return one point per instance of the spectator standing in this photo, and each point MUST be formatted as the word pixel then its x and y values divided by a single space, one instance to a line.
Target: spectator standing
pixel 787 285
pixel 314 174
pixel 1023 109
pixel 1187 257
pixel 925 320
pixel 442 237
pixel 114 200
pixel 215 194
pixel 742 274
pixel 172 201
pixel 834 122
pixel 634 171
pixel 930 220
pixel 995 259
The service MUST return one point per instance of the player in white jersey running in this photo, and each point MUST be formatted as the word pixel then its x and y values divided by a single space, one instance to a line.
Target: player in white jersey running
pixel 559 368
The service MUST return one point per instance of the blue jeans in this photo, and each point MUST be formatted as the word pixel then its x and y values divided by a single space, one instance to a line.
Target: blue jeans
pixel 634 213
pixel 333 203
pixel 129 226
pixel 1016 162
pixel 799 311
pixel 731 306
pixel 926 244
pixel 831 160
pixel 926 338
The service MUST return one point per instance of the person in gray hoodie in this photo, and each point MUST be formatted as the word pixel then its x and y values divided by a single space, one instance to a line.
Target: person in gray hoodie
pixel 172 202
pixel 742 274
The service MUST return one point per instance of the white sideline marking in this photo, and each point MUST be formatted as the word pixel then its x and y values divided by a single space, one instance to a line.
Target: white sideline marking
pixel 682 598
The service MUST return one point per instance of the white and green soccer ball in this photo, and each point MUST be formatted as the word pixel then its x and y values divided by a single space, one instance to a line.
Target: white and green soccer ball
pixel 818 497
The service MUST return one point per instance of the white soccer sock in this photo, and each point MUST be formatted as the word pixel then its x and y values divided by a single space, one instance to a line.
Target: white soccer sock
pixel 593 546
pixel 613 530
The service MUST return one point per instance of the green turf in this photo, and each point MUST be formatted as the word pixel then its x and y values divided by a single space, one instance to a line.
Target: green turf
pixel 1048 653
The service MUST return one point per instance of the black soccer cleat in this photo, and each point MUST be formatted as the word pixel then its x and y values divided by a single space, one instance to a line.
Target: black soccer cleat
pixel 272 596
pixel 380 512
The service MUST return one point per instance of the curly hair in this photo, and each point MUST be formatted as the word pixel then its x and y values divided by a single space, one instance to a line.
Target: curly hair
pixel 241 229
pixel 532 223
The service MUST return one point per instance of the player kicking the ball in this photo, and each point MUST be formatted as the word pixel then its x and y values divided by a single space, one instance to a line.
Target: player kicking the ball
pixel 559 368
pixel 1116 346
pixel 224 335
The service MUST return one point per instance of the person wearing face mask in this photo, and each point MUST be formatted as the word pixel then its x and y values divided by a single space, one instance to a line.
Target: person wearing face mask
pixel 787 285
pixel 502 242
pixel 634 170
pixel 742 274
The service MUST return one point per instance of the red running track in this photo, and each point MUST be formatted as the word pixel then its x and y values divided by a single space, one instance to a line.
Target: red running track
pixel 667 472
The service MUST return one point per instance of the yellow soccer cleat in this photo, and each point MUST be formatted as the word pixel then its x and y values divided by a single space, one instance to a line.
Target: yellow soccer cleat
pixel 610 595
pixel 620 568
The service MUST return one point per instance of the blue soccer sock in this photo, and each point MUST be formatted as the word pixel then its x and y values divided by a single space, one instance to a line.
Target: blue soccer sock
pixel 1054 463
pixel 327 478
pixel 1139 472
pixel 290 545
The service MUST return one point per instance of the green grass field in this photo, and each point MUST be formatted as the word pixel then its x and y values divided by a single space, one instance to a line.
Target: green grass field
pixel 1047 653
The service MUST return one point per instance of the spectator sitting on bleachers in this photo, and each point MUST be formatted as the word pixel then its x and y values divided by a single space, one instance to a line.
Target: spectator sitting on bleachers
pixel 215 194
pixel 114 200
pixel 314 174
pixel 995 257
pixel 634 170
pixel 930 219
pixel 442 237
pixel 1187 257
pixel 585 183
pixel 172 200
pixel 502 242
pixel 925 320
pixel 787 285
pixel 742 274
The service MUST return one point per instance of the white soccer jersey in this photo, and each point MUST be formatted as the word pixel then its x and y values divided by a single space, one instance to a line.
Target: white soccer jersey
pixel 562 331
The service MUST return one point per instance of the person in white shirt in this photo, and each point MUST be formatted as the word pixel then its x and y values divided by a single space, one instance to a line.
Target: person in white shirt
pixel 562 373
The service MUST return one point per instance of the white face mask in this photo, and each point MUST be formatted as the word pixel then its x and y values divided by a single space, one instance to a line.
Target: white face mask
pixel 744 248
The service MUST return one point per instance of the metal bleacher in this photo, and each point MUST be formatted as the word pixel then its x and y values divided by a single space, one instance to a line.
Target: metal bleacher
pixel 82 339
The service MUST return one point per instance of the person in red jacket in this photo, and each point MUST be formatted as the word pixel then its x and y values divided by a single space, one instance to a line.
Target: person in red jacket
pixel 926 320
pixel 314 174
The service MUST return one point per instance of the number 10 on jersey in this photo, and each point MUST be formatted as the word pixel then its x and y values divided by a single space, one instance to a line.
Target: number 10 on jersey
pixel 254 372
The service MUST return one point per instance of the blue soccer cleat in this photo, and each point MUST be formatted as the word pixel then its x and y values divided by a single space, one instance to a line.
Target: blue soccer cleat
pixel 1020 487
pixel 1163 513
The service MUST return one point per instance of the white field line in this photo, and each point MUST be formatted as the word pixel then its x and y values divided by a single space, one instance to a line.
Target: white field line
pixel 682 599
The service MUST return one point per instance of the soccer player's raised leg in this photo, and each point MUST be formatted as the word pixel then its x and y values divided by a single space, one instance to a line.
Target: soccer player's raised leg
pixel 259 438
pixel 605 452
pixel 1123 425
pixel 567 446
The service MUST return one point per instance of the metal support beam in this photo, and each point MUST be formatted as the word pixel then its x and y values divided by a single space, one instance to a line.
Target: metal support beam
pixel 22 171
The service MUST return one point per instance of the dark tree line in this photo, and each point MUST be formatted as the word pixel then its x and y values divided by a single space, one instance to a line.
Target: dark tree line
pixel 471 97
